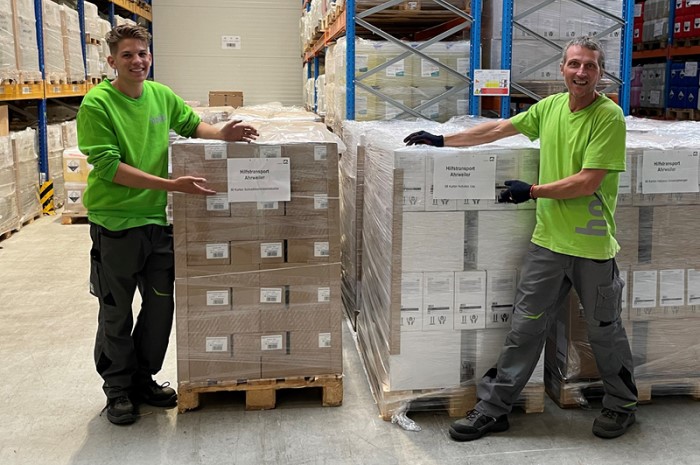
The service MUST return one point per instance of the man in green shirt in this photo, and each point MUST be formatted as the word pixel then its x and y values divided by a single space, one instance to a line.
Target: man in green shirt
pixel 123 128
pixel 582 151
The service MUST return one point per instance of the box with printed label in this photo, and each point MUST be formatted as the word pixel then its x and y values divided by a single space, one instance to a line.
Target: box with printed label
pixel 218 205
pixel 438 301
pixel 203 327
pixel 303 283
pixel 75 166
pixel 316 250
pixel 660 293
pixel 500 297
pixel 470 300
pixel 411 302
pixel 310 353
pixel 311 203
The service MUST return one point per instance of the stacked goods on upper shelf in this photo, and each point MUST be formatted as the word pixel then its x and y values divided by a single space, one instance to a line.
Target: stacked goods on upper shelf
pixel 93 42
pixel 72 44
pixel 26 50
pixel 538 64
pixel 54 59
pixel 106 70
pixel 8 60
pixel 655 26
pixel 413 81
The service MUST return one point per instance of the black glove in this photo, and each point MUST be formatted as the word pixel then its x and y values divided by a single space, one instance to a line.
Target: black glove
pixel 422 137
pixel 517 192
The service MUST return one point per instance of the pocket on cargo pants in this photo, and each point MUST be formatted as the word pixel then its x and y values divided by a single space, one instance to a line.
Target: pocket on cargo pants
pixel 95 273
pixel 608 306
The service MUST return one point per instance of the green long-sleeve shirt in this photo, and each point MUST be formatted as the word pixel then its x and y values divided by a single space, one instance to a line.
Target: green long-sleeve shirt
pixel 114 128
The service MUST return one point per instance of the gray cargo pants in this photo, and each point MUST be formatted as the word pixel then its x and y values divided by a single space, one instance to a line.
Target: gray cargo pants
pixel 545 281
pixel 120 262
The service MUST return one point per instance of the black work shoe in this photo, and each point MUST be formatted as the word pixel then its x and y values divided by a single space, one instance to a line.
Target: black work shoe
pixel 610 424
pixel 120 410
pixel 158 395
pixel 476 424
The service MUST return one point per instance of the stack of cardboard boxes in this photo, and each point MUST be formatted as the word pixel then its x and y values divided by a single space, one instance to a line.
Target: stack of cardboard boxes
pixel 439 274
pixel 26 165
pixel 257 283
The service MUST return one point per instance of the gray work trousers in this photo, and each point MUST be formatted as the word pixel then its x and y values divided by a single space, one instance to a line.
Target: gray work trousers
pixel 127 355
pixel 545 281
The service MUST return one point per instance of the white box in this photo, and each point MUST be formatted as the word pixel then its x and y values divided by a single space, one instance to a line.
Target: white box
pixel 411 302
pixel 427 360
pixel 432 241
pixel 500 297
pixel 497 239
pixel 438 301
pixel 412 163
pixel 470 300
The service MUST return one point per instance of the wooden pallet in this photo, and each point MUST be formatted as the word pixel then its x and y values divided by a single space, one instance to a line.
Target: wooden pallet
pixel 690 42
pixel 455 401
pixel 649 112
pixel 651 45
pixel 262 394
pixel 650 387
pixel 574 394
pixel 683 114
pixel 71 218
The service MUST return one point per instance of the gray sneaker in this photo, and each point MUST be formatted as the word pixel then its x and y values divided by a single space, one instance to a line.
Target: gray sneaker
pixel 476 424
pixel 611 424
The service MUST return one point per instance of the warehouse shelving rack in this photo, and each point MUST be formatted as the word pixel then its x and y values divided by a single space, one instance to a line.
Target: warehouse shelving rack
pixel 347 24
pixel 15 94
pixel 623 23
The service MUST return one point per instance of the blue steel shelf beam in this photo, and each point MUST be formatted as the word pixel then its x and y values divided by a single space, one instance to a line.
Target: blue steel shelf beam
pixel 350 59
pixel 41 106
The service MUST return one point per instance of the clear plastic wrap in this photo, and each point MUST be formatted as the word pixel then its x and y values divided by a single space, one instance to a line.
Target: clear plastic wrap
pixel 72 48
pixel 430 265
pixel 257 283
pixel 411 81
pixel 8 59
pixel 26 164
pixel 26 49
pixel 9 216
pixel 54 58
pixel 54 137
pixel 273 111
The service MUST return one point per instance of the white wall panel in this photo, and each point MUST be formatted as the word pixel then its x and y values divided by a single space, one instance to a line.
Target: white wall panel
pixel 188 55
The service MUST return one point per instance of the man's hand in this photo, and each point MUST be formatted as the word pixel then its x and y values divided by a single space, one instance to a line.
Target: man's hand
pixel 191 185
pixel 422 137
pixel 517 192
pixel 237 131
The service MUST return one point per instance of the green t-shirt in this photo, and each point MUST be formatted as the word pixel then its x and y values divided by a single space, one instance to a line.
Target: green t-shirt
pixel 113 128
pixel 590 138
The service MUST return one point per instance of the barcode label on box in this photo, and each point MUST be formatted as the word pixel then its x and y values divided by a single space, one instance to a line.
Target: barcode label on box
pixel 217 344
pixel 320 153
pixel 216 298
pixel 324 340
pixel 271 250
pixel 268 205
pixel 320 201
pixel 270 295
pixel 215 152
pixel 324 294
pixel 270 151
pixel 217 251
pixel 321 249
pixel 271 342
pixel 216 203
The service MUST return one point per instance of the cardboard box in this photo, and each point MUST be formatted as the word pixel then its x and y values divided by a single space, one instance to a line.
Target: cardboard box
pixel 627 224
pixel 317 250
pixel 497 239
pixel 296 317
pixel 470 300
pixel 310 353
pixel 667 236
pixel 426 360
pixel 411 302
pixel 213 372
pixel 438 301
pixel 665 349
pixel 221 98
pixel 75 166
pixel 223 229
pixel 500 297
